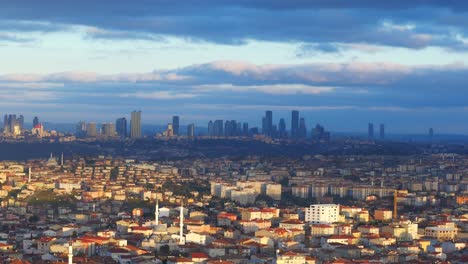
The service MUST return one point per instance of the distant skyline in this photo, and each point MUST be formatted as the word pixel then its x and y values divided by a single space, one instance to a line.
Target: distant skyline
pixel 342 64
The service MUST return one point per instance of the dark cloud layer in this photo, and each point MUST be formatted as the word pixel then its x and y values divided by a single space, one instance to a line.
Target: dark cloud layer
pixel 432 23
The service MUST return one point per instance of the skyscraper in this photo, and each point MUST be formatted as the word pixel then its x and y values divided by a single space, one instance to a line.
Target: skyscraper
pixel 370 131
pixel 302 131
pixel 21 122
pixel 245 129
pixel 11 123
pixel 81 129
pixel 91 130
pixel 268 123
pixel 431 133
pixel 218 128
pixel 210 129
pixel 318 132
pixel 121 127
pixel 35 121
pixel 227 128
pixel 108 130
pixel 175 125
pixel 382 131
pixel 191 130
pixel 294 123
pixel 230 128
pixel 5 124
pixel 282 128
pixel 135 124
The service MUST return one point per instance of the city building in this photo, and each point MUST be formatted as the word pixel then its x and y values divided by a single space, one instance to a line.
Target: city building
pixel 108 130
pixel 268 127
pixel 218 128
pixel 91 130
pixel 382 132
pixel 38 130
pixel 370 131
pixel 441 230
pixel 210 129
pixel 322 213
pixel 245 129
pixel 13 126
pixel 431 133
pixel 135 125
pixel 81 129
pixel 282 128
pixel 175 125
pixel 383 214
pixel 294 123
pixel 35 121
pixel 169 130
pixel 121 127
pixel 191 130
pixel 302 132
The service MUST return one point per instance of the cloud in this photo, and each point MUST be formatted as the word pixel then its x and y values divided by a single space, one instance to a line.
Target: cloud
pixel 97 33
pixel 332 74
pixel 8 37
pixel 407 24
pixel 276 89
pixel 160 95
pixel 31 85
pixel 28 96
pixel 311 78
pixel 92 77
pixel 31 26
pixel 314 49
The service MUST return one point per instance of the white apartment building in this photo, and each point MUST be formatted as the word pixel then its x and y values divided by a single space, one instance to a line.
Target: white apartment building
pixel 322 213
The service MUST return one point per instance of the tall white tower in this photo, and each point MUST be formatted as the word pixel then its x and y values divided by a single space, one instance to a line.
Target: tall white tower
pixel 61 160
pixel 29 175
pixel 156 213
pixel 181 225
pixel 70 253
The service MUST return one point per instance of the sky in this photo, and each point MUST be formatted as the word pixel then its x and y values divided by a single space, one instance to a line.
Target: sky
pixel 340 63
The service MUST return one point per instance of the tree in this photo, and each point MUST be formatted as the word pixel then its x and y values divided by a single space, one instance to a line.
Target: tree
pixel 33 219
pixel 164 250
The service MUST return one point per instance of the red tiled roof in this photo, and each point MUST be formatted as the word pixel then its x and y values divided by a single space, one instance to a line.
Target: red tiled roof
pixel 198 255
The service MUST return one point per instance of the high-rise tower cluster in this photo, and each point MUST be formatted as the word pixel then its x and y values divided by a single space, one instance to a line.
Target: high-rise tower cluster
pixel 13 125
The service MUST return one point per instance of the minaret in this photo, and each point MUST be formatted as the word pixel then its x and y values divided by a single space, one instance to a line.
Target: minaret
pixel 70 253
pixel 156 212
pixel 395 205
pixel 61 160
pixel 29 175
pixel 181 225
